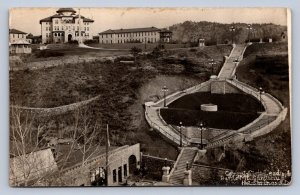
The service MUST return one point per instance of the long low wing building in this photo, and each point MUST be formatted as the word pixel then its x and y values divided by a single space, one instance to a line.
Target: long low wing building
pixel 135 35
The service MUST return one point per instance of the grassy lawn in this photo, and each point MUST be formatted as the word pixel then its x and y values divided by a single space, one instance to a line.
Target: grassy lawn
pixel 143 46
pixel 219 120
pixel 123 89
pixel 234 110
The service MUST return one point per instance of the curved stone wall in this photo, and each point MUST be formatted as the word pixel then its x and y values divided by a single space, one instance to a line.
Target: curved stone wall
pixel 56 110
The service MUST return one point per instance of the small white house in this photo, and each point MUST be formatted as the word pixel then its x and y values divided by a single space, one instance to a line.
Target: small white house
pixel 19 47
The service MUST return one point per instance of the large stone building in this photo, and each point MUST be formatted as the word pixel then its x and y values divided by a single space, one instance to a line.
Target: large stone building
pixel 64 26
pixel 135 35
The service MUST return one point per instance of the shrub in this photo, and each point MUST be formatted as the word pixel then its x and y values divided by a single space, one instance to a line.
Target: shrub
pixel 210 42
pixel 73 42
pixel 91 41
pixel 135 52
pixel 193 44
pixel 49 53
pixel 156 52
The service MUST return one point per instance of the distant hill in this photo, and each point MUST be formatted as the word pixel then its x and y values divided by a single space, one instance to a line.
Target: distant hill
pixel 213 32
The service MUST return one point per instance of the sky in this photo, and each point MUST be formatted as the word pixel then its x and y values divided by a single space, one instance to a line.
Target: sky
pixel 27 19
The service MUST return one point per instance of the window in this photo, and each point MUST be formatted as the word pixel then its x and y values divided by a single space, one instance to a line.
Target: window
pixel 13 35
pixel 114 175
pixel 56 21
pixel 87 28
pixel 111 35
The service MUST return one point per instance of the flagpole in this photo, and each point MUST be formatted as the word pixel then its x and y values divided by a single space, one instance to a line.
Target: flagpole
pixel 106 155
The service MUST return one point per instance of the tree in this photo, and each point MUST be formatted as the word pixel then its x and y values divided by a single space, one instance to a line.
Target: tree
pixel 33 160
pixel 29 160
pixel 135 52
pixel 157 51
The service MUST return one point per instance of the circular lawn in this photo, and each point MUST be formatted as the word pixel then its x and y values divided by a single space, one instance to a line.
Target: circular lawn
pixel 234 110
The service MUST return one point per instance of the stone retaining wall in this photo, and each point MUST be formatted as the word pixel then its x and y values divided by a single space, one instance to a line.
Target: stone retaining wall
pixel 222 87
pixel 56 110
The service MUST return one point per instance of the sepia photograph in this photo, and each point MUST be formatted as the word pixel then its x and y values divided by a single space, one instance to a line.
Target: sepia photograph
pixel 149 97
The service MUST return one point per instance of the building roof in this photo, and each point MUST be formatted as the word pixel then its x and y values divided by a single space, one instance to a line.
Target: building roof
pixel 84 19
pixel 20 42
pixel 164 30
pixel 66 9
pixel 15 31
pixel 147 29
pixel 31 166
pixel 49 19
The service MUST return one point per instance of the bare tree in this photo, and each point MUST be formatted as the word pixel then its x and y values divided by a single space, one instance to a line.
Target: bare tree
pixel 32 160
pixel 28 162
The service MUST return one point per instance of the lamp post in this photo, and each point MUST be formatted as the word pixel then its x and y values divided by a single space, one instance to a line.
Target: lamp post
pixel 180 128
pixel 260 100
pixel 212 63
pixel 187 165
pixel 165 162
pixel 165 89
pixel 232 30
pixel 249 27
pixel 201 129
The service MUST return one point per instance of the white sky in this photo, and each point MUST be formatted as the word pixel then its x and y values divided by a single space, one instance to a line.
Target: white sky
pixel 27 19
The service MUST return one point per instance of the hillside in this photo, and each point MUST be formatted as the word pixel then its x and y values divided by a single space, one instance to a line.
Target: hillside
pixel 213 33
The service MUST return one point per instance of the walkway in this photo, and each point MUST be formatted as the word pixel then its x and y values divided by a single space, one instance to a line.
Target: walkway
pixel 184 159
pixel 274 111
pixel 228 69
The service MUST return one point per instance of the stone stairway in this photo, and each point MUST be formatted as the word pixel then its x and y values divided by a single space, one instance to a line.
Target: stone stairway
pixel 230 65
pixel 187 154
